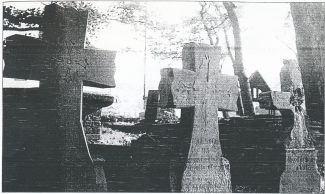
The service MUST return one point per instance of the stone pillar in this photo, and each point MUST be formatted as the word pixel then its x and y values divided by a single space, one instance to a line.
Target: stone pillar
pixel 300 174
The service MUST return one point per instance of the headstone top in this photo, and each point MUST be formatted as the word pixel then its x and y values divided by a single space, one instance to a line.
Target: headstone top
pixel 195 55
pixel 290 76
pixel 64 26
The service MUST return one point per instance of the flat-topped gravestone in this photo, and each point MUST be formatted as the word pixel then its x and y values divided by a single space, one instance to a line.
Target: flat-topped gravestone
pixel 63 66
pixel 200 85
pixel 300 174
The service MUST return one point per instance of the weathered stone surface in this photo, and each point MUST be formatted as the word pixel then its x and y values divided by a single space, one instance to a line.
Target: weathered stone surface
pixel 308 19
pixel 94 101
pixel 300 175
pixel 62 65
pixel 275 100
pixel 290 76
pixel 201 86
pixel 227 92
pixel 152 106
pixel 176 85
pixel 300 137
pixel 92 125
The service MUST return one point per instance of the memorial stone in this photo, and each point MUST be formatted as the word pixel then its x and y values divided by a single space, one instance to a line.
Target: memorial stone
pixel 300 174
pixel 152 106
pixel 200 85
pixel 63 66
pixel 290 77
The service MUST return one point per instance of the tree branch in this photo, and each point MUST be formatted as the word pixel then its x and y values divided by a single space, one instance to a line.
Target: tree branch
pixel 206 28
pixel 228 46
pixel 226 36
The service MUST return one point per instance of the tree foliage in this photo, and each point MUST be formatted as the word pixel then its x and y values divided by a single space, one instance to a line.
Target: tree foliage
pixel 31 19
pixel 15 19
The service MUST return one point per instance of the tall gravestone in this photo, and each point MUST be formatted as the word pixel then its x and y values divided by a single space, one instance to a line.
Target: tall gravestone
pixel 200 85
pixel 300 174
pixel 63 66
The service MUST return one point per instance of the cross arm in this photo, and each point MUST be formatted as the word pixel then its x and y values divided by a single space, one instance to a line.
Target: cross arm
pixel 227 92
pixel 100 68
pixel 176 88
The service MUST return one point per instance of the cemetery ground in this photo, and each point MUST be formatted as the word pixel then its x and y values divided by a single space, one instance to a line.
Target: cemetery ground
pixel 254 147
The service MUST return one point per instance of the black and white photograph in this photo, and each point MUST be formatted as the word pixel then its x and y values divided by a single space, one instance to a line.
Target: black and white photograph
pixel 163 96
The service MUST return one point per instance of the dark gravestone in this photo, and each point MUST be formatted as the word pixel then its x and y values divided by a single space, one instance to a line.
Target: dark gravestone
pixel 91 113
pixel 62 65
pixel 300 174
pixel 152 106
pixel 200 85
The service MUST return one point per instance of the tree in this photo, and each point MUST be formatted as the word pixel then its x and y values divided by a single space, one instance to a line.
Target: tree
pixel 21 20
pixel 217 18
pixel 32 19
pixel 309 23
pixel 238 60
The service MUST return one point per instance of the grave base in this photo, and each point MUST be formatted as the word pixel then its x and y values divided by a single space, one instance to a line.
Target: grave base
pixel 211 176
pixel 300 175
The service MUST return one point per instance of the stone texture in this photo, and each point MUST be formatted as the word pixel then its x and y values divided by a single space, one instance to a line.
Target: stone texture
pixel 95 101
pixel 152 106
pixel 200 85
pixel 308 19
pixel 300 175
pixel 275 100
pixel 290 76
pixel 92 125
pixel 63 66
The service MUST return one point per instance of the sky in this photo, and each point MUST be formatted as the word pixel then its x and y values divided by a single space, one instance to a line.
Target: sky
pixel 267 39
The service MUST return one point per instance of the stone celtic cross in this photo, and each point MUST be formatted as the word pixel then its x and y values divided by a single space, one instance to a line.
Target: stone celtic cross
pixel 200 85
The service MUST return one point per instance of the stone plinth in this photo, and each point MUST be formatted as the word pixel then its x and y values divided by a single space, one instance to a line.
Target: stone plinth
pixel 300 175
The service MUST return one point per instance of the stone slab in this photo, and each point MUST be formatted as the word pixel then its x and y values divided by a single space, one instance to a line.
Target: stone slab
pixel 300 175
pixel 275 100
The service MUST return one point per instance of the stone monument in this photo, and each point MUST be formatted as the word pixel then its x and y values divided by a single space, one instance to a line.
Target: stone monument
pixel 55 155
pixel 300 174
pixel 152 106
pixel 200 85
